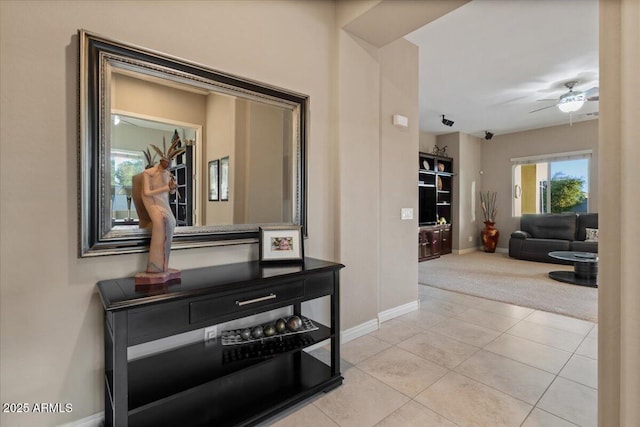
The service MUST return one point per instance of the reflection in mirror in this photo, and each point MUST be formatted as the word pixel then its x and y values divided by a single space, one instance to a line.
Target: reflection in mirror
pixel 253 134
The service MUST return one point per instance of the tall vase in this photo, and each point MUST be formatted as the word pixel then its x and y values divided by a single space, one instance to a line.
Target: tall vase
pixel 490 236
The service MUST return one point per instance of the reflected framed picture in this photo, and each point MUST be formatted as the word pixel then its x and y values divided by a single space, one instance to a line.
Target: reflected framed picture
pixel 214 186
pixel 224 179
pixel 281 244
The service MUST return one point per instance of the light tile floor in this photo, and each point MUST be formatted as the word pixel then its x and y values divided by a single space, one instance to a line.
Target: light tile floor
pixel 463 361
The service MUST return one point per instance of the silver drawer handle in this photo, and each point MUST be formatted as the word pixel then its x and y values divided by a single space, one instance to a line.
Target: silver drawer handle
pixel 251 301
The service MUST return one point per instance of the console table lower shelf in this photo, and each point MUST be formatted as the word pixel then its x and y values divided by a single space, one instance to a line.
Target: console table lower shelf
pixel 206 383
pixel 252 395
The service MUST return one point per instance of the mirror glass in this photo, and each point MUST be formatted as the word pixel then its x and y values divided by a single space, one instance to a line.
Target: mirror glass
pixel 244 159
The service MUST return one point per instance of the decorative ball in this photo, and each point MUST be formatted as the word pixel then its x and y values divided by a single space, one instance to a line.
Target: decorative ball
pixel 245 334
pixel 257 332
pixel 281 326
pixel 294 323
pixel 441 167
pixel 269 330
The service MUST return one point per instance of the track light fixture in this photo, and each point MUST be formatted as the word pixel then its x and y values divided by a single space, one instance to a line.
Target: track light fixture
pixel 446 122
pixel 488 135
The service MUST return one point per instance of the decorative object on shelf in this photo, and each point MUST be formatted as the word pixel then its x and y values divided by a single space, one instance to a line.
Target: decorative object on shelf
pixel 153 187
pixel 439 183
pixel 426 165
pixel 301 324
pixel 294 323
pixel 441 167
pixel 281 244
pixel 442 220
pixel 490 234
pixel 440 151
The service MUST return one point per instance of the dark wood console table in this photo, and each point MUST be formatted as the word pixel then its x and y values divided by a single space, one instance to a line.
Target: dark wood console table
pixel 207 383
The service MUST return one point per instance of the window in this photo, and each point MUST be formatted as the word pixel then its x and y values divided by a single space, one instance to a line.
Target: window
pixel 124 165
pixel 553 183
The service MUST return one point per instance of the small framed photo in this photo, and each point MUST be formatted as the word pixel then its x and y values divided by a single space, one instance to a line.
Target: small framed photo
pixel 214 187
pixel 281 244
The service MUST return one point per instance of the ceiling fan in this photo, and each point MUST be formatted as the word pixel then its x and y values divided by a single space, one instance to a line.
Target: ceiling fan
pixel 572 101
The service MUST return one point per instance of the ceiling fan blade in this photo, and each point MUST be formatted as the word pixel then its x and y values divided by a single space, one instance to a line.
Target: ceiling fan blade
pixel 543 108
pixel 592 94
pixel 548 99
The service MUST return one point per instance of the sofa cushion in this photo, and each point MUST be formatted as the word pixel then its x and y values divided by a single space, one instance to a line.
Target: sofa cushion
pixel 584 246
pixel 538 249
pixel 589 220
pixel 592 234
pixel 550 226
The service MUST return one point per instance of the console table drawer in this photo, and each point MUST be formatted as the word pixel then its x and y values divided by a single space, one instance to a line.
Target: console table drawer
pixel 319 285
pixel 200 311
pixel 153 322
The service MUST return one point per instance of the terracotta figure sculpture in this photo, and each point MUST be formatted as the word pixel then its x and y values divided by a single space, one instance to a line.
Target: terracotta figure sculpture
pixel 152 188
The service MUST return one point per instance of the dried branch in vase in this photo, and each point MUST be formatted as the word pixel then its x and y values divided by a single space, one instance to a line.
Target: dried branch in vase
pixel 488 204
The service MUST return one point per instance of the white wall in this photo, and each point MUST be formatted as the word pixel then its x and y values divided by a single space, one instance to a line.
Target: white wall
pixel 220 141
pixel 359 190
pixel 50 316
pixel 496 163
pixel 467 185
pixel 426 142
pixel 398 179
pixel 619 297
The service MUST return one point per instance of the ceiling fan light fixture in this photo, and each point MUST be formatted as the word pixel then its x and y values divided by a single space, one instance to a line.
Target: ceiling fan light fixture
pixel 572 101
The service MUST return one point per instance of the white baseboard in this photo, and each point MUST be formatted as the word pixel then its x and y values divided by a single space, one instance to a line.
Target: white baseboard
pixel 465 251
pixel 359 331
pixel 478 248
pixel 374 324
pixel 398 311
pixel 95 420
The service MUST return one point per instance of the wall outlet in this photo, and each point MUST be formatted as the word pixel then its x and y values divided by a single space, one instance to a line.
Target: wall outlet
pixel 211 333
pixel 406 213
pixel 470 238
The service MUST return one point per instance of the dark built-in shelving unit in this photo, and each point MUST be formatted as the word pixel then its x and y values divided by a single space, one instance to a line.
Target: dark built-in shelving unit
pixel 206 383
pixel 181 202
pixel 435 200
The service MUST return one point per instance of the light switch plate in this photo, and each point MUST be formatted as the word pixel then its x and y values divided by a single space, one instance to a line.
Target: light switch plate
pixel 406 213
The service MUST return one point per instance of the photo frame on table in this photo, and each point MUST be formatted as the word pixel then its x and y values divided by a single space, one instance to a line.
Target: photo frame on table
pixel 214 182
pixel 281 244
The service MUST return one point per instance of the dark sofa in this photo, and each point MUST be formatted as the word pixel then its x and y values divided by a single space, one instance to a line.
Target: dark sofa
pixel 540 234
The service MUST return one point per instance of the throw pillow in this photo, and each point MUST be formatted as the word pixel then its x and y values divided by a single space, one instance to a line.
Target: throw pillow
pixel 592 235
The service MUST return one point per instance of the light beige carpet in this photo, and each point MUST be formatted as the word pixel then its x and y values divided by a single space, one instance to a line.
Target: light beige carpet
pixel 500 278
